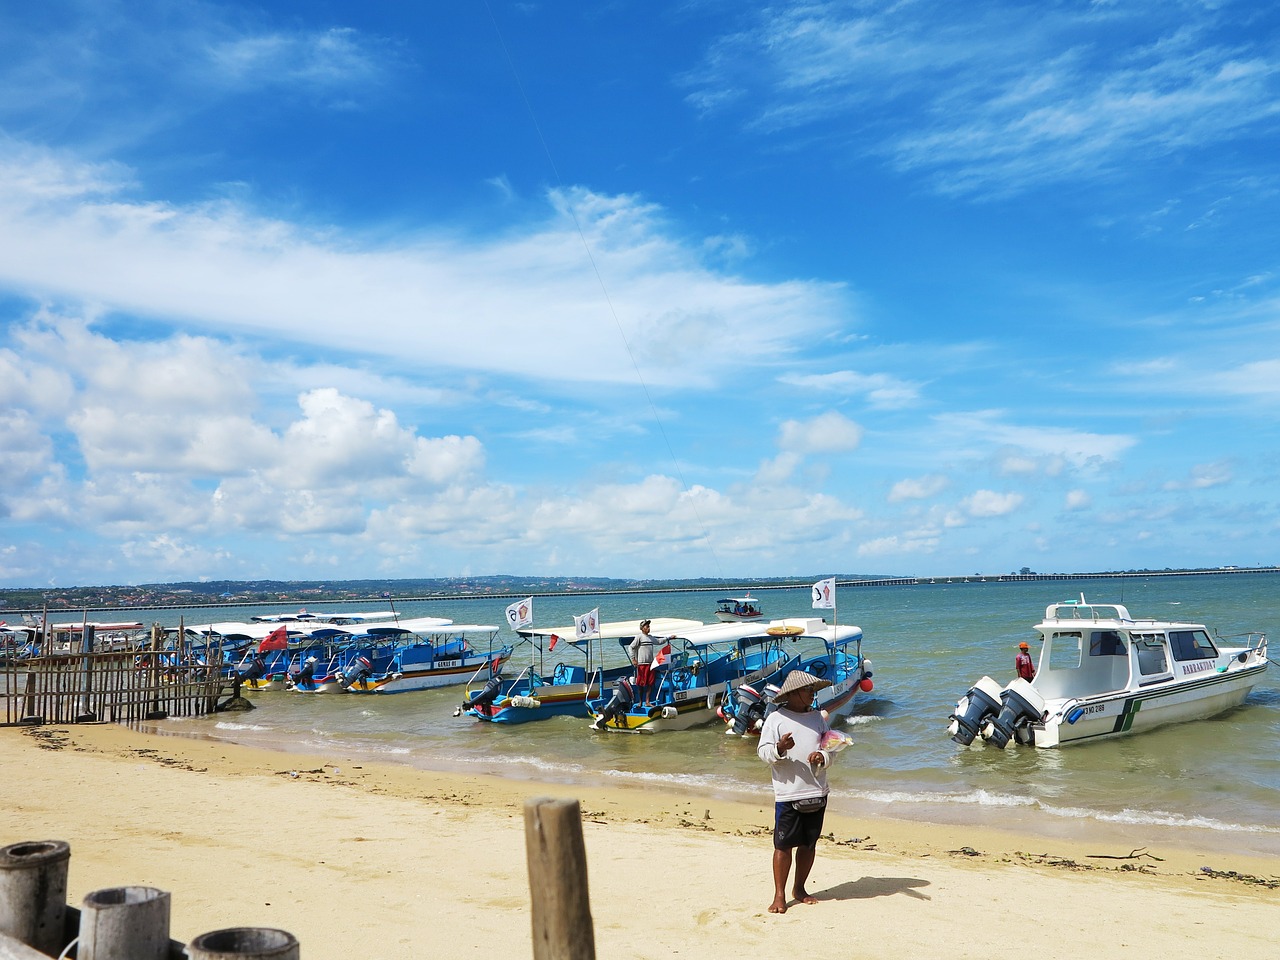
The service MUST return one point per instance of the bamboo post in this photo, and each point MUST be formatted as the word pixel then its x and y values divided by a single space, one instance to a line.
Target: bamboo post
pixel 557 860
pixel 245 943
pixel 124 923
pixel 33 893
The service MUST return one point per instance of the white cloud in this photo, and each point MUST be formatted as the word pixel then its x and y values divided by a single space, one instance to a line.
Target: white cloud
pixel 918 488
pixel 830 432
pixel 882 391
pixel 1078 448
pixel 989 503
pixel 69 231
pixel 1078 500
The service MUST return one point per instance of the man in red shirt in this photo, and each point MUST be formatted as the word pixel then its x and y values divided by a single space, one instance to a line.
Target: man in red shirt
pixel 1022 663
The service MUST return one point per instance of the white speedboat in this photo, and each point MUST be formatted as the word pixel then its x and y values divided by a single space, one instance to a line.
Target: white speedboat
pixel 1103 674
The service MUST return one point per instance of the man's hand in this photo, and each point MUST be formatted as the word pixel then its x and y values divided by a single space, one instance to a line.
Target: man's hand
pixel 785 743
pixel 816 759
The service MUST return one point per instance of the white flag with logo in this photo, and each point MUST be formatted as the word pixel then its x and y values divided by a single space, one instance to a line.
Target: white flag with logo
pixel 824 594
pixel 587 625
pixel 520 614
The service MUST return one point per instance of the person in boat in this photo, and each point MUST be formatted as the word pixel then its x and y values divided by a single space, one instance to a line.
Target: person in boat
pixel 790 743
pixel 1023 663
pixel 642 650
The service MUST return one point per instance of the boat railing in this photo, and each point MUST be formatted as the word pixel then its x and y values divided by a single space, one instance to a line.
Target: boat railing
pixel 1075 610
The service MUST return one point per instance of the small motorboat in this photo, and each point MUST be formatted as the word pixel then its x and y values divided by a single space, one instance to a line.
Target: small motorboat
pixel 739 609
pixel 704 664
pixel 839 660
pixel 1103 674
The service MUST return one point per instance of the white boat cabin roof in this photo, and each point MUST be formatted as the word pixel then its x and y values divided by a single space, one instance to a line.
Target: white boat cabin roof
pixel 1114 616
pixel 615 630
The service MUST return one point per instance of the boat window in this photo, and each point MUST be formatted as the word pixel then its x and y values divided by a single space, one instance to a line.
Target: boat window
pixel 1106 643
pixel 1151 654
pixel 1064 651
pixel 1192 645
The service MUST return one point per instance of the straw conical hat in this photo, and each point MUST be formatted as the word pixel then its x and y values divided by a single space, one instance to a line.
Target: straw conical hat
pixel 799 680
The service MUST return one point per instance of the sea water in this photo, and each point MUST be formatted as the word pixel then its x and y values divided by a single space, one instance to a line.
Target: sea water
pixel 1212 784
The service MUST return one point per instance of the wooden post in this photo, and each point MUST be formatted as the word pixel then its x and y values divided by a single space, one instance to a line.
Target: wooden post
pixel 33 893
pixel 246 943
pixel 124 923
pixel 557 858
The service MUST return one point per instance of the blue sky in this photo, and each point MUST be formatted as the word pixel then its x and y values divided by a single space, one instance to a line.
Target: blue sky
pixel 636 289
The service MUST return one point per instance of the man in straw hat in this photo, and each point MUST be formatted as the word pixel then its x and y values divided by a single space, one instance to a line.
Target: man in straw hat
pixel 790 742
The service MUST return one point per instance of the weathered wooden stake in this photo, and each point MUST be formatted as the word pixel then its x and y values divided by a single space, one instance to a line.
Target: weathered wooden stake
pixel 124 923
pixel 557 857
pixel 244 943
pixel 33 893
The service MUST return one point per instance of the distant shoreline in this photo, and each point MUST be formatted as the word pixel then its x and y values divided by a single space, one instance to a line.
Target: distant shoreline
pixel 641 591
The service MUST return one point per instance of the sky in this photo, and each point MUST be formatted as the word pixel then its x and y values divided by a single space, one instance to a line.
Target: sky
pixel 317 290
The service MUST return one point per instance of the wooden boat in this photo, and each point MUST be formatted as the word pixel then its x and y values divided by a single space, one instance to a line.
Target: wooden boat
pixel 1103 674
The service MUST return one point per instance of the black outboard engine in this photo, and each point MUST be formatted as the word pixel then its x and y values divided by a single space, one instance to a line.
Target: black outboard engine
pixel 307 674
pixel 1020 702
pixel 485 697
pixel 975 707
pixel 624 695
pixel 256 669
pixel 748 707
pixel 358 669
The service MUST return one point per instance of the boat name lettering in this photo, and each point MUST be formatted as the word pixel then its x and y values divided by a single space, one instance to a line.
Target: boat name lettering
pixel 1200 666
pixel 442 664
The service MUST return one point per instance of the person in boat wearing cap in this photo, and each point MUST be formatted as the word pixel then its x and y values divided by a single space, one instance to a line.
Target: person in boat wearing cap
pixel 642 650
pixel 1023 663
pixel 790 743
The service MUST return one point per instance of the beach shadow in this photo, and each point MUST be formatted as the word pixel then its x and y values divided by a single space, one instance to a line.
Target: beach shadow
pixel 869 887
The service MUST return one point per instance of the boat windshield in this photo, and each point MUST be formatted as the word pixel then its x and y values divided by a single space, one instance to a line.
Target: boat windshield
pixel 1192 645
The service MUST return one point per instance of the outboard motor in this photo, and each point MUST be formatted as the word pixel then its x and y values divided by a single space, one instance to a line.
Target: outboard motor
pixel 307 674
pixel 975 707
pixel 623 696
pixel 256 670
pixel 1020 702
pixel 484 699
pixel 360 668
pixel 748 709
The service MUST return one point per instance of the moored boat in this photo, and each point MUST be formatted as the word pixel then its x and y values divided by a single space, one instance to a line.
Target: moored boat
pixel 839 660
pixel 703 664
pixel 538 692
pixel 1103 674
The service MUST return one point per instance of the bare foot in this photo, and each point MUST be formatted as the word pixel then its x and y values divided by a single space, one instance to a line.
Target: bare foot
pixel 778 906
pixel 802 896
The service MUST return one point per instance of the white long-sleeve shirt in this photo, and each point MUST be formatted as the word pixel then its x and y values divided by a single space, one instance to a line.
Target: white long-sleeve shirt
pixel 793 777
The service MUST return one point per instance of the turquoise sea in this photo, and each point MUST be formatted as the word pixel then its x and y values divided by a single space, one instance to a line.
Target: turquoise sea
pixel 1212 785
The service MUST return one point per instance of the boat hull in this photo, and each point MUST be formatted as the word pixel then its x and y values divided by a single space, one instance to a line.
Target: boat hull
pixel 1134 712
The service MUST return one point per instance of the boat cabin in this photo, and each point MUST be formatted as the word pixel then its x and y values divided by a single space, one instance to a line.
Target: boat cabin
pixel 1092 649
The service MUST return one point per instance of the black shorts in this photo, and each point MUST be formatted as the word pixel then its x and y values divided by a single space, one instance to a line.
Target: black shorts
pixel 791 828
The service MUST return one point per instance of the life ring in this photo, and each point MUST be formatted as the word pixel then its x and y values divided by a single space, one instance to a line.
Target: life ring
pixel 786 630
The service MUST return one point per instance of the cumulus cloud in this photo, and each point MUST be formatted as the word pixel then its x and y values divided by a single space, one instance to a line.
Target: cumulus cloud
pixel 1077 500
pixel 918 488
pixel 830 432
pixel 989 503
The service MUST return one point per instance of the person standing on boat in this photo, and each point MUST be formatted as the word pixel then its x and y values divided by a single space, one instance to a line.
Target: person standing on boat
pixel 642 650
pixel 790 742
pixel 1023 664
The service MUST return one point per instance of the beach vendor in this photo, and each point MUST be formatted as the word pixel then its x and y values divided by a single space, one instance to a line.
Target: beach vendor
pixel 642 650
pixel 790 742
pixel 1023 664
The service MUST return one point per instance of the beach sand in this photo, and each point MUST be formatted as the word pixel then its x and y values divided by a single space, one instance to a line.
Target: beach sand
pixel 363 860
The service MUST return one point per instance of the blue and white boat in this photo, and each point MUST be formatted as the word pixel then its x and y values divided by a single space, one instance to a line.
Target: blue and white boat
pixel 831 652
pixel 1103 674
pixel 705 664
pixel 538 692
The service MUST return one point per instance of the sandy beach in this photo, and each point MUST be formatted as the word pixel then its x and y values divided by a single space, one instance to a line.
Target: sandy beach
pixel 365 860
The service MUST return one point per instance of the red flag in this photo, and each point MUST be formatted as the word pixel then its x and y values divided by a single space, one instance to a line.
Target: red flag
pixel 662 656
pixel 552 645
pixel 277 639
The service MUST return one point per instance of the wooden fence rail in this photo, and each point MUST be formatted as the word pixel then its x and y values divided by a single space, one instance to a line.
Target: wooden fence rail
pixel 118 687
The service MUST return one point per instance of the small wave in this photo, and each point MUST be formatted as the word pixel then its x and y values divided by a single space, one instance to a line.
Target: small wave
pixel 982 798
pixel 861 721
pixel 1159 818
pixel 227 725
